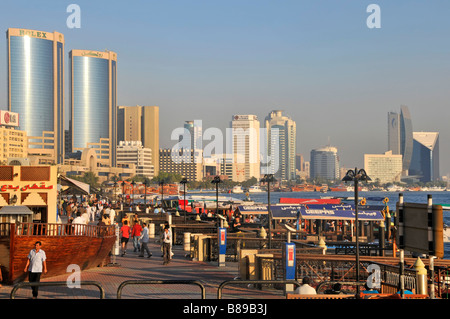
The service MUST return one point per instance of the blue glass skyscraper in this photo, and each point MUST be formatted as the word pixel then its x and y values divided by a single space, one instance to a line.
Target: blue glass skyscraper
pixel 400 135
pixel 36 89
pixel 93 102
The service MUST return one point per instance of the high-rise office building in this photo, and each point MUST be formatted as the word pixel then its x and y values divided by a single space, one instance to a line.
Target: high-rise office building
pixel 36 89
pixel 245 147
pixel 132 152
pixel 425 157
pixel 400 136
pixel 93 102
pixel 324 163
pixel 194 130
pixel 384 168
pixel 284 142
pixel 185 165
pixel 140 123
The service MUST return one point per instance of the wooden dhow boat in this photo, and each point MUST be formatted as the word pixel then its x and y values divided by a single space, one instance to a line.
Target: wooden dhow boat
pixel 28 213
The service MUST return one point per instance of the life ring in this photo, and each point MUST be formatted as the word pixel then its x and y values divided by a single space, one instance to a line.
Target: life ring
pixel 363 201
pixel 385 200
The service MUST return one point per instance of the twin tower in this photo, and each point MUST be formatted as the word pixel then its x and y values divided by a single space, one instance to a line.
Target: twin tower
pixel 36 88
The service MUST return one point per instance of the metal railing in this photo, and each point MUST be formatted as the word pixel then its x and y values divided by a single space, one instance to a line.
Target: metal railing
pixel 55 283
pixel 254 282
pixel 53 229
pixel 161 282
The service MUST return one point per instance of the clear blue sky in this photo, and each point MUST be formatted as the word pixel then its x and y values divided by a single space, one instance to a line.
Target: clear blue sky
pixel 317 60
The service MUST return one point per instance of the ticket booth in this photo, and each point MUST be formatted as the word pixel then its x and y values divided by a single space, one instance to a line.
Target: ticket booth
pixel 16 214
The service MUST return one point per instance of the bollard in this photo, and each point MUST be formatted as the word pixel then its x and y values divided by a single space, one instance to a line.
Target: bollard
pixel 222 243
pixel 187 242
pixel 323 245
pixel 151 230
pixel 117 243
pixel 421 277
pixel 262 233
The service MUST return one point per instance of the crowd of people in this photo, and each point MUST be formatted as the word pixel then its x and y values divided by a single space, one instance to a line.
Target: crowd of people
pixel 105 213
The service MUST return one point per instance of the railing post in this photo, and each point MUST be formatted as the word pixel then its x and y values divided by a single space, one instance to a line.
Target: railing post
pixel 12 235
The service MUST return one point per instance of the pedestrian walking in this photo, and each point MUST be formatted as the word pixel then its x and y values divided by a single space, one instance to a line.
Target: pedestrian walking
pixel 167 239
pixel 36 264
pixel 125 232
pixel 136 234
pixel 144 242
pixel 166 224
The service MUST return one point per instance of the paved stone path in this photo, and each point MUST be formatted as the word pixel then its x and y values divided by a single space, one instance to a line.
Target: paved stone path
pixel 132 267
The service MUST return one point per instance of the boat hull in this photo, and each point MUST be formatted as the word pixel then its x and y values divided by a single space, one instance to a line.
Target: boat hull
pixel 83 251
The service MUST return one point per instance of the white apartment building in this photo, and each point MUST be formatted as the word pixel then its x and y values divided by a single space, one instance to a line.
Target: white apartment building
pixel 387 167
pixel 13 142
pixel 245 147
pixel 282 145
pixel 133 152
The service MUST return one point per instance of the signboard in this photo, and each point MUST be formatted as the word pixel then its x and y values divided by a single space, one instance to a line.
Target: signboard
pixel 342 212
pixel 9 118
pixel 326 211
pixel 421 228
pixel 289 261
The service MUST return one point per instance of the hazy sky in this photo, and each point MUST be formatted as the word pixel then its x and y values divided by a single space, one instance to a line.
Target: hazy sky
pixel 316 60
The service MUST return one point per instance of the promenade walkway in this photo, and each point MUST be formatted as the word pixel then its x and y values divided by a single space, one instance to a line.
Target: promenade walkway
pixel 132 267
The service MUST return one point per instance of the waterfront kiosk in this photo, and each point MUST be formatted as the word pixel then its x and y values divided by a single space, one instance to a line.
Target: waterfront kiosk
pixel 30 187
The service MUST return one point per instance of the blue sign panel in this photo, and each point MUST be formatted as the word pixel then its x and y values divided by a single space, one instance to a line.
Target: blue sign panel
pixel 325 211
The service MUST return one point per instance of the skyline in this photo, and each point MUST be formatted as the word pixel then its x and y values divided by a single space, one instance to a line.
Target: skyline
pixel 318 62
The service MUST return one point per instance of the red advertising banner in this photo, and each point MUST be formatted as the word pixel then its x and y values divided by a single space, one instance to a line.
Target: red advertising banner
pixel 310 201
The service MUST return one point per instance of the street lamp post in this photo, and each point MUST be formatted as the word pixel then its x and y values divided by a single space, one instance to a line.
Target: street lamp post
pixel 184 181
pixel 132 192
pixel 115 193
pixel 355 176
pixel 268 178
pixel 162 196
pixel 145 193
pixel 123 192
pixel 216 181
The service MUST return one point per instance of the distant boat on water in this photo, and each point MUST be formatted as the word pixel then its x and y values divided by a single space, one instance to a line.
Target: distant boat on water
pixel 237 190
pixel 255 189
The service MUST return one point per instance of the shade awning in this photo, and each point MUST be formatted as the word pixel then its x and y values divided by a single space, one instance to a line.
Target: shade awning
pixel 74 186
pixel 15 210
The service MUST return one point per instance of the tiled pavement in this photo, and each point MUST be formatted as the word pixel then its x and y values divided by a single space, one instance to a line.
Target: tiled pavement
pixel 132 267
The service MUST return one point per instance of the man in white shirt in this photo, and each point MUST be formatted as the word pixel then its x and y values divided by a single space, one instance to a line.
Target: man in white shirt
pixel 78 223
pixel 36 265
pixel 305 288
pixel 166 240
pixel 85 215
